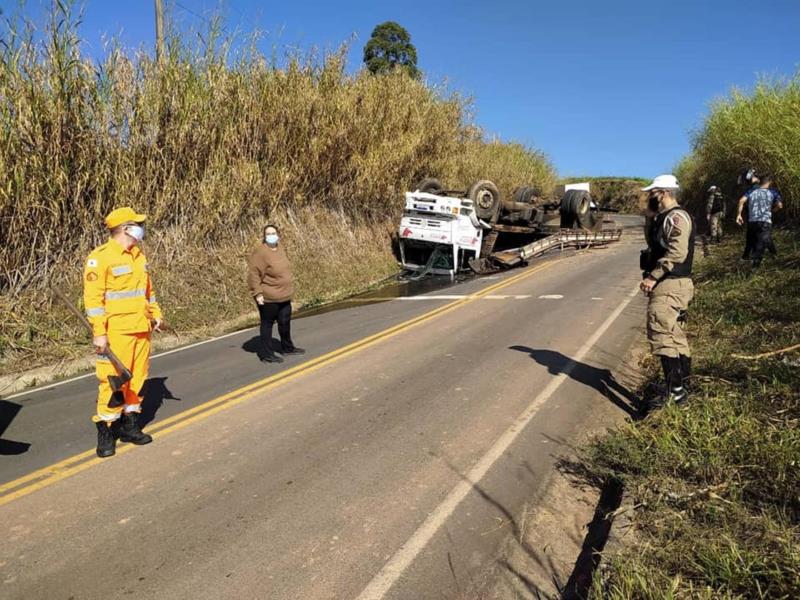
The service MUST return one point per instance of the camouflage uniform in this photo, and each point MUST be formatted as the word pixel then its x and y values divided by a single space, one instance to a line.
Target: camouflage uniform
pixel 670 238
pixel 715 209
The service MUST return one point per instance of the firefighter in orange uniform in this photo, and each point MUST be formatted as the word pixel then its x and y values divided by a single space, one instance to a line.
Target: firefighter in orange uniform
pixel 122 308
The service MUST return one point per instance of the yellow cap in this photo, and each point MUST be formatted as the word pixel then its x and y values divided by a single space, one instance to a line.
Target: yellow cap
pixel 123 215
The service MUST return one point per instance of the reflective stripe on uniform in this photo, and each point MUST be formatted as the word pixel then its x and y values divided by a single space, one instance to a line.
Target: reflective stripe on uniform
pixel 126 294
pixel 121 270
pixel 152 299
pixel 110 417
pixel 95 312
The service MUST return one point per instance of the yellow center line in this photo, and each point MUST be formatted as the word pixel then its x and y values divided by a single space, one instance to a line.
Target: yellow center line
pixel 75 464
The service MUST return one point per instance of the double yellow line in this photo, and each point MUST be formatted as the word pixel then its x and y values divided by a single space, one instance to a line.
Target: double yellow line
pixel 79 462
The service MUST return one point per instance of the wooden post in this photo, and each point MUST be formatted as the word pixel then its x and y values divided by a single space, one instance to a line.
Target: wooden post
pixel 159 31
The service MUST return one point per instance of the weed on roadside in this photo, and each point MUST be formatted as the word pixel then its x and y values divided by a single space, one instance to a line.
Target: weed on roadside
pixel 717 483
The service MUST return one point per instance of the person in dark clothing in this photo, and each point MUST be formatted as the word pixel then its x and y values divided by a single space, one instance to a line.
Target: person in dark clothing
pixel 761 201
pixel 269 276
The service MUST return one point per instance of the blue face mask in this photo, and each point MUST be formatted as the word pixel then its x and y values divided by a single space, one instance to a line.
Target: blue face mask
pixel 136 232
pixel 272 239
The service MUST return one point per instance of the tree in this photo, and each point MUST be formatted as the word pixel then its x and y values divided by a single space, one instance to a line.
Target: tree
pixel 390 47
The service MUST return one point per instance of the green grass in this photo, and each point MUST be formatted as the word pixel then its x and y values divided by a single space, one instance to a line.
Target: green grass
pixel 717 483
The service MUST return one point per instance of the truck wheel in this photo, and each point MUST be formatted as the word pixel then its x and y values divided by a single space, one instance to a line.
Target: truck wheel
pixel 486 197
pixel 583 211
pixel 589 221
pixel 576 208
pixel 527 195
pixel 567 210
pixel 429 185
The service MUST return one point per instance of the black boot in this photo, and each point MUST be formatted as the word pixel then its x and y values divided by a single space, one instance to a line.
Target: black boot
pixel 105 440
pixel 677 392
pixel 673 376
pixel 290 348
pixel 270 357
pixel 686 370
pixel 130 432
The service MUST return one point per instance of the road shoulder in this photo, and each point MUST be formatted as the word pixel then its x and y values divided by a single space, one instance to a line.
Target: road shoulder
pixel 539 561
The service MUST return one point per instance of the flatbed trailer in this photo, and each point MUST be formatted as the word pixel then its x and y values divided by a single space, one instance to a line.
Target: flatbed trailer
pixel 565 238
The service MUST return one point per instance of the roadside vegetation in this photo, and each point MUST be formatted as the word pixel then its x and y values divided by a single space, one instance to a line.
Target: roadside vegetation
pixel 715 485
pixel 212 143
pixel 759 129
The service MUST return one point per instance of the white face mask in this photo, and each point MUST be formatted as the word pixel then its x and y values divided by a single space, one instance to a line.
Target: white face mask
pixel 271 239
pixel 136 232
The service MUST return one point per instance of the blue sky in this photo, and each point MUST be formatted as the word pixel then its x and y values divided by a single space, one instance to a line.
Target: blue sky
pixel 608 87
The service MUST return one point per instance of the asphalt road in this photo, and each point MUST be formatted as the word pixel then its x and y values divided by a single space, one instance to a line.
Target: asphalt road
pixel 375 466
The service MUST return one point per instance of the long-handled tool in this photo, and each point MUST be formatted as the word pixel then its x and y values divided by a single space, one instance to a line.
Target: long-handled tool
pixel 123 374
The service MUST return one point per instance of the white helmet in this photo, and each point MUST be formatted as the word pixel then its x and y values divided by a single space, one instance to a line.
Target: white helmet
pixel 663 182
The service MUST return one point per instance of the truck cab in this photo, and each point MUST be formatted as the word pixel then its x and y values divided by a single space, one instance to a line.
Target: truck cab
pixel 438 233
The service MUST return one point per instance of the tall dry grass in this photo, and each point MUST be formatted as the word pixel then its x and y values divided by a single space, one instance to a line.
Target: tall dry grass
pixel 210 144
pixel 760 129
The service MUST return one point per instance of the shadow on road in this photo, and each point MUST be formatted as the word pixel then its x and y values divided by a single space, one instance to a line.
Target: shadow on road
pixel 154 392
pixel 598 379
pixel 253 345
pixel 8 412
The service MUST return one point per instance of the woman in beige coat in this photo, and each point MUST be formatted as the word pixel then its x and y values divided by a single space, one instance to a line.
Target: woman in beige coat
pixel 269 276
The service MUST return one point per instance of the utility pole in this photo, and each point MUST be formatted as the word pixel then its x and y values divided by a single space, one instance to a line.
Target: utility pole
pixel 159 31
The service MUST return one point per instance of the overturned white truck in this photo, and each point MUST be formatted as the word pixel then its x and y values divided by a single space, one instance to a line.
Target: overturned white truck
pixel 445 231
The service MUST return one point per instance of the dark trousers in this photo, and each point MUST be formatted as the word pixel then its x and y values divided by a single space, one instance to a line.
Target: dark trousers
pixel 269 313
pixel 759 236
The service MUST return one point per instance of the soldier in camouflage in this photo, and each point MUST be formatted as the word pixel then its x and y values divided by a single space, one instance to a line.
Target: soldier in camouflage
pixel 667 280
pixel 715 213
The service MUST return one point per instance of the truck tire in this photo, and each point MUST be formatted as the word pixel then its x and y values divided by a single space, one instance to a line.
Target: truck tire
pixel 576 209
pixel 567 210
pixel 527 195
pixel 429 185
pixel 486 197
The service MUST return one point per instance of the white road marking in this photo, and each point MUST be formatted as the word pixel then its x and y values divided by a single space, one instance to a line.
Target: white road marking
pixel 402 559
pixel 596 298
pixel 463 297
pixel 551 297
pixel 434 297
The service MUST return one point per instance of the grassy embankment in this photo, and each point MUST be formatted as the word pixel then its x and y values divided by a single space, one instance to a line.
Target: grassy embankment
pixel 716 484
pixel 211 144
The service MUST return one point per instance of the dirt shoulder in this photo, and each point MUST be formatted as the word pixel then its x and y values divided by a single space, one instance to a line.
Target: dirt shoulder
pixel 539 561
